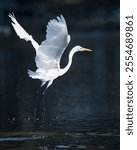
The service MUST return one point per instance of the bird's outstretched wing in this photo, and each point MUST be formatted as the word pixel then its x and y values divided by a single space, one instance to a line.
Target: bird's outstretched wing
pixel 22 33
pixel 51 50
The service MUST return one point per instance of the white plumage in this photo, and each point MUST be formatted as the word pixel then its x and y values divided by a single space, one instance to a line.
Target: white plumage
pixel 49 53
pixel 22 33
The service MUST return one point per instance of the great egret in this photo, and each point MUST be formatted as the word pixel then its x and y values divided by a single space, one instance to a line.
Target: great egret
pixel 49 53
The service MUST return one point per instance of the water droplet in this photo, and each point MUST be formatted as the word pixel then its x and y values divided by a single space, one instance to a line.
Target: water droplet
pixel 57 117
pixel 13 119
pixel 28 118
pixel 37 119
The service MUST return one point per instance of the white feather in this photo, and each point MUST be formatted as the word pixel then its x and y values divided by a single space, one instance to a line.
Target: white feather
pixel 22 33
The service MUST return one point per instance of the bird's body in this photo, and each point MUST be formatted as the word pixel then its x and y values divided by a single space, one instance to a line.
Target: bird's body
pixel 49 53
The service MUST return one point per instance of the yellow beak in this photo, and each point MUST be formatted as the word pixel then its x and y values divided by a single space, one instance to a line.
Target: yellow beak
pixel 85 49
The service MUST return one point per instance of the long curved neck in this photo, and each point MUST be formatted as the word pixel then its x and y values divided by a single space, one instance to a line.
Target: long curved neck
pixel 71 54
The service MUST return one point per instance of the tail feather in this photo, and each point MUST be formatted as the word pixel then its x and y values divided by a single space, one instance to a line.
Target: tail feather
pixel 32 74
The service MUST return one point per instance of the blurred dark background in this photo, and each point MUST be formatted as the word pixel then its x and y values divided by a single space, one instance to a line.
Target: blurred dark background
pixel 84 100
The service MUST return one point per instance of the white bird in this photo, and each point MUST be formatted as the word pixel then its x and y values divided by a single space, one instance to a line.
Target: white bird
pixel 49 53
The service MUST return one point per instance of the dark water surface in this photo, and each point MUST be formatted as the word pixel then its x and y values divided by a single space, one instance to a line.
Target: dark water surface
pixel 81 107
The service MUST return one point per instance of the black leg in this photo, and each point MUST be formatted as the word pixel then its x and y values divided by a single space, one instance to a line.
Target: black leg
pixel 39 112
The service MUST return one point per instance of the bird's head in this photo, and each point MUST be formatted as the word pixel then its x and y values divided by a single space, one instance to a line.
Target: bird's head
pixel 82 49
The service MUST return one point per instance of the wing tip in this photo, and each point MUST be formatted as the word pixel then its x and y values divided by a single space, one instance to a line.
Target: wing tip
pixel 11 15
pixel 62 17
